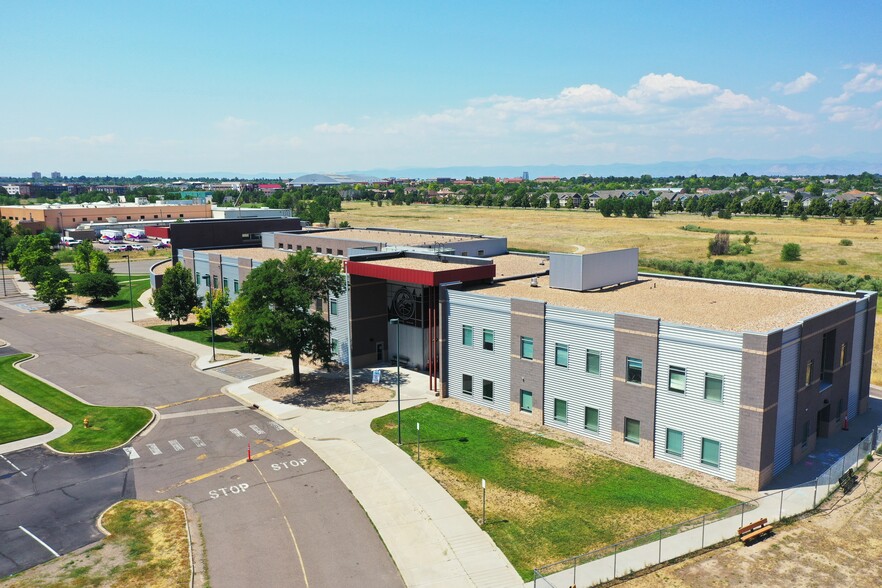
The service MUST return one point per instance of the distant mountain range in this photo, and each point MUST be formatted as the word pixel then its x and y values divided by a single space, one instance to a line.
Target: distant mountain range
pixel 800 166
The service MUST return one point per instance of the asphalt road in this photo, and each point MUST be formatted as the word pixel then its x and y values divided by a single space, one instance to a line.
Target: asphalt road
pixel 284 518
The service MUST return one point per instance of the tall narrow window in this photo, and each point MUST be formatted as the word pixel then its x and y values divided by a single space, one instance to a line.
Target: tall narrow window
pixel 226 284
pixel 560 410
pixel 713 387
pixel 333 305
pixel 335 346
pixel 466 384
pixel 488 390
pixel 561 354
pixel 591 419
pixel 632 431
pixel 634 370
pixel 488 339
pixel 526 401
pixel 674 442
pixel 527 347
pixel 677 379
pixel 592 362
pixel 710 452
pixel 235 286
pixel 843 353
pixel 809 371
pixel 828 351
pixel 467 335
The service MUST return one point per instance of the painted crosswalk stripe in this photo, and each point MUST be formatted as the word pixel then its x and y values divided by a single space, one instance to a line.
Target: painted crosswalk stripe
pixel 154 449
pixel 130 451
pixel 175 445
pixel 258 430
pixel 197 441
pixel 276 425
pixel 237 432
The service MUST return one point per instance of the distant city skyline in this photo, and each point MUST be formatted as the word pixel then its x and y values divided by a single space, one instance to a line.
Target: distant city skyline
pixel 276 88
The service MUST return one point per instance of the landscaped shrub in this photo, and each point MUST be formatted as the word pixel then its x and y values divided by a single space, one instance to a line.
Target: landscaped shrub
pixel 841 262
pixel 719 245
pixel 845 242
pixel 791 252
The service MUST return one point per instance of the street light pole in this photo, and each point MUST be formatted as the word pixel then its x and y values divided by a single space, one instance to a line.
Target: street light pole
pixel 131 297
pixel 3 271
pixel 211 315
pixel 397 324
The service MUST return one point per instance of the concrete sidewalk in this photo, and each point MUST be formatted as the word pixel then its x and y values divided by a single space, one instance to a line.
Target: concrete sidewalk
pixel 433 541
pixel 59 425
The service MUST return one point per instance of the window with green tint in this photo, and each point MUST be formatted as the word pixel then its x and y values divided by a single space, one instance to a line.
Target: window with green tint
pixel 634 370
pixel 674 442
pixel 677 379
pixel 710 452
pixel 592 362
pixel 467 334
pixel 632 431
pixel 527 347
pixel 235 286
pixel 488 339
pixel 335 346
pixel 466 384
pixel 226 284
pixel 561 354
pixel 487 390
pixel 713 387
pixel 526 401
pixel 560 410
pixel 333 308
pixel 591 419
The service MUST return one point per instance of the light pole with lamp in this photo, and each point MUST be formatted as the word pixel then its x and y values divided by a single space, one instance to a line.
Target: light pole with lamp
pixel 397 324
pixel 211 315
pixel 131 296
pixel 3 271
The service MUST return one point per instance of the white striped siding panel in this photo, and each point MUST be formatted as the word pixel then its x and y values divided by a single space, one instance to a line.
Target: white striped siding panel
pixel 784 423
pixel 857 357
pixel 340 326
pixel 580 330
pixel 699 351
pixel 479 312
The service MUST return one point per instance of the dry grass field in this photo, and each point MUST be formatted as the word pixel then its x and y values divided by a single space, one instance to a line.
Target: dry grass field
pixel 661 237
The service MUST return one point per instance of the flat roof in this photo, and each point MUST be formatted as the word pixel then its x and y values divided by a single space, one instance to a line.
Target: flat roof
pixel 512 264
pixel 255 253
pixel 428 265
pixel 713 305
pixel 394 237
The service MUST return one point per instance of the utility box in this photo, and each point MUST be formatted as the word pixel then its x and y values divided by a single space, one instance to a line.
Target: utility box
pixel 590 271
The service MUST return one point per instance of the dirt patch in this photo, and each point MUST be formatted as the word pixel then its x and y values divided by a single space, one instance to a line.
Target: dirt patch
pixel 560 460
pixel 326 391
pixel 838 546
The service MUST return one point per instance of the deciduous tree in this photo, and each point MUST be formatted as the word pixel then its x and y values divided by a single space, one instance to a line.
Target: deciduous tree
pixel 177 295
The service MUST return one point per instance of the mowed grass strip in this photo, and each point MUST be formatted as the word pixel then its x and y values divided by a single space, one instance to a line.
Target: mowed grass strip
pixel 109 426
pixel 147 547
pixel 200 335
pixel 19 423
pixel 140 284
pixel 546 500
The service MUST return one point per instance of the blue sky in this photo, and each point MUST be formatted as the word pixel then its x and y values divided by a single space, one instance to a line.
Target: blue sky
pixel 277 87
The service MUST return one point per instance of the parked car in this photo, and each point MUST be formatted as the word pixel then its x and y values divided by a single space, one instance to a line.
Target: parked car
pixel 116 248
pixel 69 242
pixel 135 247
pixel 162 245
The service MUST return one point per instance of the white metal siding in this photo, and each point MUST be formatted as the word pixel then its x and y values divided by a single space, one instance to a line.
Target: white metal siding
pixel 340 327
pixel 480 312
pixel 580 330
pixel 699 351
pixel 857 357
pixel 787 398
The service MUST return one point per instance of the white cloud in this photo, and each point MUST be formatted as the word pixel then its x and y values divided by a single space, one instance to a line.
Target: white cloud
pixel 868 79
pixel 800 84
pixel 337 129
pixel 668 87
pixel 231 124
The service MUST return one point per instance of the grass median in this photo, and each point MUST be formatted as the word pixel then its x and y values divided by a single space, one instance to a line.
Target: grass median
pixel 19 423
pixel 201 335
pixel 109 426
pixel 546 500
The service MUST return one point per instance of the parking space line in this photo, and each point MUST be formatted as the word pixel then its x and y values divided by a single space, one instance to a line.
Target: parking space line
pixel 287 522
pixel 223 469
pixel 276 426
pixel 257 430
pixel 130 451
pixel 171 404
pixel 38 540
pixel 175 445
pixel 197 441
pixel 236 432
pixel 154 449
pixel 15 466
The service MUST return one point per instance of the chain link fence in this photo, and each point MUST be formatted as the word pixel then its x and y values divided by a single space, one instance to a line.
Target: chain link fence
pixel 629 556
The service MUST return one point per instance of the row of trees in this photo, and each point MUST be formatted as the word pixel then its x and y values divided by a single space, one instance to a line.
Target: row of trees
pixel 273 310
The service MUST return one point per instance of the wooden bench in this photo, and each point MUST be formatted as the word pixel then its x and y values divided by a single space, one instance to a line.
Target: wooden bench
pixel 754 530
pixel 848 481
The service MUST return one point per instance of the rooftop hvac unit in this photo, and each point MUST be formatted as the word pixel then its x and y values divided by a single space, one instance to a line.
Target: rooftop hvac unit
pixel 534 282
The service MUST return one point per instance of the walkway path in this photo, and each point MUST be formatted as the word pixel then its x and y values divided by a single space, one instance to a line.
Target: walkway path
pixel 59 425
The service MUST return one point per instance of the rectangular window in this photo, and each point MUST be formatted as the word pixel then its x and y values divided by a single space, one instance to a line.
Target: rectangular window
pixel 467 335
pixel 488 390
pixel 843 353
pixel 591 419
pixel 560 410
pixel 710 452
pixel 526 401
pixel 236 286
pixel 214 279
pixel 527 347
pixel 335 346
pixel 632 431
pixel 635 370
pixel 333 309
pixel 226 283
pixel 809 371
pixel 592 362
pixel 805 434
pixel 561 354
pixel 466 384
pixel 488 339
pixel 828 351
pixel 674 442
pixel 677 379
pixel 713 387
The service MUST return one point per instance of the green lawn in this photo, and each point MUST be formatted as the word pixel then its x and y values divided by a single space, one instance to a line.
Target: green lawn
pixel 110 426
pixel 19 423
pixel 546 501
pixel 140 284
pixel 200 335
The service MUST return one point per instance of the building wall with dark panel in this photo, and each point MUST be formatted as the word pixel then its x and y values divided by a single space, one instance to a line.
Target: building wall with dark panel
pixel 635 337
pixel 225 233
pixel 528 320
